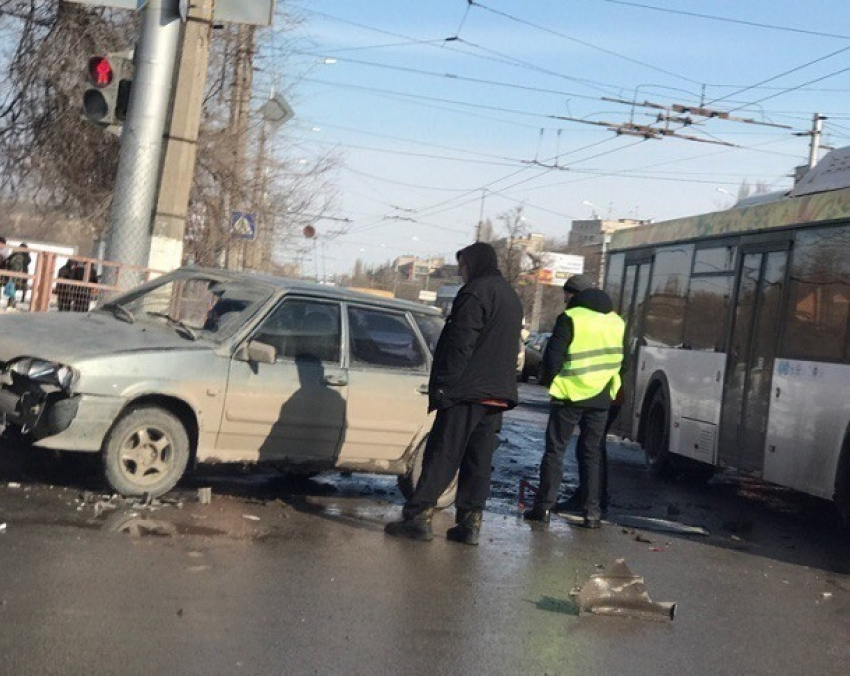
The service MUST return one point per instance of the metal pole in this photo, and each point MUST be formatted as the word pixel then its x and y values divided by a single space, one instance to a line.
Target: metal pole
pixel 139 161
pixel 814 145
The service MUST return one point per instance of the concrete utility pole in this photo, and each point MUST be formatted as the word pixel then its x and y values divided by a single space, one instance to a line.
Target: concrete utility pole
pixel 178 167
pixel 814 145
pixel 240 107
pixel 258 252
pixel 136 183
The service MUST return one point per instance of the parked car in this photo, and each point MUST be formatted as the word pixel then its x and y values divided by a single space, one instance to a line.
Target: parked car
pixel 218 366
pixel 535 346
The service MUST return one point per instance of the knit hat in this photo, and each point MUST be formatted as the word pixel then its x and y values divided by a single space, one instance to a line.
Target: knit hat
pixel 578 283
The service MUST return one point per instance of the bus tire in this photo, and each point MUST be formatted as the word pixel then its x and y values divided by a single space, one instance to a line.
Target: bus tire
pixel 656 443
pixel 407 482
pixel 841 499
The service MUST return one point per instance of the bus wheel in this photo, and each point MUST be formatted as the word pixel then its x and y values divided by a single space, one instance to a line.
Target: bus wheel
pixel 842 499
pixel 657 436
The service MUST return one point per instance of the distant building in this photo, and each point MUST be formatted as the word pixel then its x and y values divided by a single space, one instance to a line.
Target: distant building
pixel 413 268
pixel 592 232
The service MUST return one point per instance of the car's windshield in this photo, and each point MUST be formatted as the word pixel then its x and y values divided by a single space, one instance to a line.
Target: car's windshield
pixel 198 306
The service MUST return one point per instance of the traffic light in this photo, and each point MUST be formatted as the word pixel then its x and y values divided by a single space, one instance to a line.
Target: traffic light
pixel 110 78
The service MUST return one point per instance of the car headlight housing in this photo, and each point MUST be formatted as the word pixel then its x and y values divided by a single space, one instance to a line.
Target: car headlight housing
pixel 44 371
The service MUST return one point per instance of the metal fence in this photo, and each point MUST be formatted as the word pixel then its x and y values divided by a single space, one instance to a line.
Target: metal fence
pixel 63 283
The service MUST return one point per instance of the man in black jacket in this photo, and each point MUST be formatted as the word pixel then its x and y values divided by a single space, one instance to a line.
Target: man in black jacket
pixel 473 379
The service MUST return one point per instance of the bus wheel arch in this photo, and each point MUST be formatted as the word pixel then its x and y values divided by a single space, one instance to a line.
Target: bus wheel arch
pixel 654 429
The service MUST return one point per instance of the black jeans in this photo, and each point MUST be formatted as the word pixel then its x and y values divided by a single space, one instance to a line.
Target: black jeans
pixel 462 439
pixel 605 496
pixel 562 421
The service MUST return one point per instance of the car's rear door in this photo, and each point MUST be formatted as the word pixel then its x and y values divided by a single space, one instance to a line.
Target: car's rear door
pixel 293 410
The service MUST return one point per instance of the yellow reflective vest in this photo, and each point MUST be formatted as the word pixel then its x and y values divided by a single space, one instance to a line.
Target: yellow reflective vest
pixel 594 356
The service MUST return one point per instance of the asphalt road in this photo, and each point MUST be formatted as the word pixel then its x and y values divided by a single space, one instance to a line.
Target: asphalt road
pixel 284 577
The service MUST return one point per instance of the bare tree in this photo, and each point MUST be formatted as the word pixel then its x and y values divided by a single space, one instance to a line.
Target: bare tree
pixel 52 160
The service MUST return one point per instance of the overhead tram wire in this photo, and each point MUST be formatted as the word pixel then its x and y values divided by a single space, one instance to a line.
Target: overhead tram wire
pixel 419 97
pixel 726 19
pixel 776 77
pixel 459 78
pixel 501 58
pixel 418 142
pixel 584 43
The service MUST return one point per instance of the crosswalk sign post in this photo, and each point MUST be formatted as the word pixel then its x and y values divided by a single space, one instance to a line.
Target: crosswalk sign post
pixel 243 225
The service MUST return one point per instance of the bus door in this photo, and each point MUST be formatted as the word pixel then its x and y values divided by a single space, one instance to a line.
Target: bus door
pixel 759 294
pixel 635 289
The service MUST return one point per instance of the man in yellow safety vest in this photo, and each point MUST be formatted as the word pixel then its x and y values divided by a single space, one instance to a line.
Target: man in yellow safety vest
pixel 581 368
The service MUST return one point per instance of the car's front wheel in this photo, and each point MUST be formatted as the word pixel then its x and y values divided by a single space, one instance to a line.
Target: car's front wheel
pixel 407 482
pixel 146 451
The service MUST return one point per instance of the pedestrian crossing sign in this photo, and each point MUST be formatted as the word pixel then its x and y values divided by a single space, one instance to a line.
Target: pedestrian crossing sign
pixel 243 225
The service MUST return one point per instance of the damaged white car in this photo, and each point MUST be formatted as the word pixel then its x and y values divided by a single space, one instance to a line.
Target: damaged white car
pixel 216 366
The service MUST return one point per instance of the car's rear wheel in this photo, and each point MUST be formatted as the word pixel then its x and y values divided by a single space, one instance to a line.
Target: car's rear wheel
pixel 657 435
pixel 407 482
pixel 146 451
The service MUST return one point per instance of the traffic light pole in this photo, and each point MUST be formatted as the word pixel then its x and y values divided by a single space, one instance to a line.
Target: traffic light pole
pixel 139 161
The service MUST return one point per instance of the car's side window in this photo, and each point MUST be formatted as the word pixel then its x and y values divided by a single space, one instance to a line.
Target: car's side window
pixel 431 327
pixel 381 338
pixel 303 328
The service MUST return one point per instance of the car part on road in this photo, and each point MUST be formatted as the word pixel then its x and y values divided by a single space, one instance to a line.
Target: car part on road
pixel 146 452
pixel 407 482
pixel 659 525
pixel 620 592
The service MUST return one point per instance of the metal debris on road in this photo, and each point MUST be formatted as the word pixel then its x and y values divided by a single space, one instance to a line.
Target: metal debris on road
pixel 620 592
pixel 659 525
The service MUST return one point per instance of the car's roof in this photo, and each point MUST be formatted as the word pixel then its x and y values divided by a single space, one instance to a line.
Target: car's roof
pixel 314 289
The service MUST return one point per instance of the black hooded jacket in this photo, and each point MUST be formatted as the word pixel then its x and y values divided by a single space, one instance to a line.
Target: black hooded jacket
pixel 476 355
pixel 562 335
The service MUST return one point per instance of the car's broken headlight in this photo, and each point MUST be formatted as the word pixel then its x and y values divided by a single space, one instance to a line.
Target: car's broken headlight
pixel 44 371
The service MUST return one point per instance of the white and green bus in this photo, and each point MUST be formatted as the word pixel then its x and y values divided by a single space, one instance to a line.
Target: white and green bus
pixel 739 336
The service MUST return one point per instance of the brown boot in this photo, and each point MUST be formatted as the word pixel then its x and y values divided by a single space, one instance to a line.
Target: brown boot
pixel 467 529
pixel 416 527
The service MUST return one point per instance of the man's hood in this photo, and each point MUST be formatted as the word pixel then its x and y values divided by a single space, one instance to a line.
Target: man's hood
pixel 592 299
pixel 480 259
pixel 67 337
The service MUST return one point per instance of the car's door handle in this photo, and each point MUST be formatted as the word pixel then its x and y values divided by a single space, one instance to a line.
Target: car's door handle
pixel 335 381
pixel 422 389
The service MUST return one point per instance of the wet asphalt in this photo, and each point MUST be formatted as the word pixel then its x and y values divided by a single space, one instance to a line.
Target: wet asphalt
pixel 285 576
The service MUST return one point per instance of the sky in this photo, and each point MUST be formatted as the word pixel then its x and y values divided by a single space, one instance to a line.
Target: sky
pixel 444 111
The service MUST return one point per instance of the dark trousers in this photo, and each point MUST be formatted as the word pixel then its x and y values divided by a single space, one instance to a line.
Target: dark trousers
pixel 562 422
pixel 462 440
pixel 581 491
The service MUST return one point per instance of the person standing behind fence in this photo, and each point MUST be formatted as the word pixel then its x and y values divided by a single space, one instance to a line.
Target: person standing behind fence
pixel 83 294
pixel 65 292
pixel 19 262
pixel 581 366
pixel 473 379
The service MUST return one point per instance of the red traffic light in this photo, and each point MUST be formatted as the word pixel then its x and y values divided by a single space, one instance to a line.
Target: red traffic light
pixel 100 71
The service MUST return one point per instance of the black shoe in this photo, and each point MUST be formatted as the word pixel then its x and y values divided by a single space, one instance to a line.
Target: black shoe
pixel 592 523
pixel 415 528
pixel 467 529
pixel 536 513
pixel 571 504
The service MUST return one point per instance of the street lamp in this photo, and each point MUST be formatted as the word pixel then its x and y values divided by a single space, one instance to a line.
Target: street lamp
pixel 596 209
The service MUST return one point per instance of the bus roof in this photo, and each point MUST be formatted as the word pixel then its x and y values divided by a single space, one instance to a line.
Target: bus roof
pixel 823 194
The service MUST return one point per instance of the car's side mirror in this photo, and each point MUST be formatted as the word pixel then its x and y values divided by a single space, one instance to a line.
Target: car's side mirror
pixel 261 353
